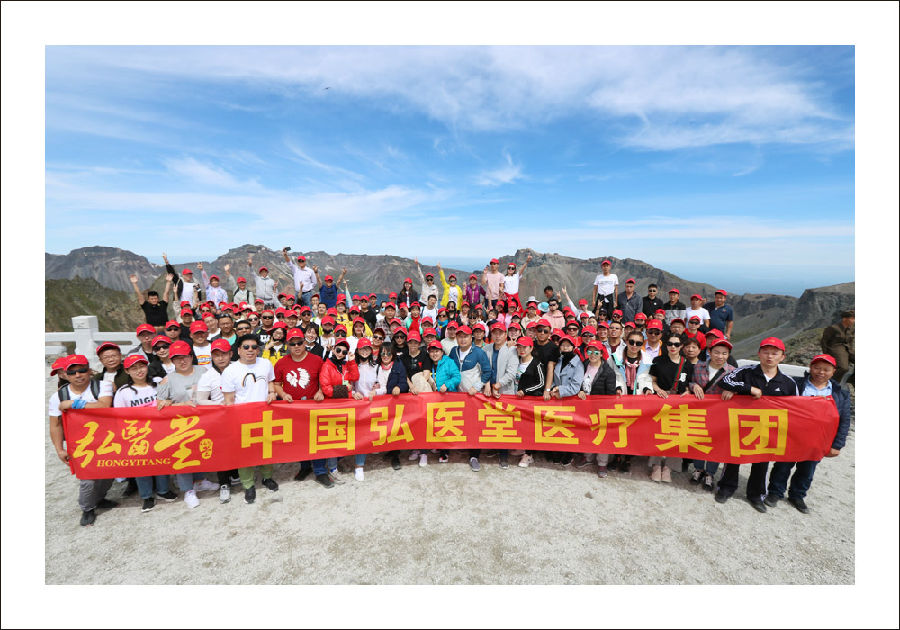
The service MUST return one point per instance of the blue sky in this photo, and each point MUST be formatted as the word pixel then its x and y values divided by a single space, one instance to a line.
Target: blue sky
pixel 731 165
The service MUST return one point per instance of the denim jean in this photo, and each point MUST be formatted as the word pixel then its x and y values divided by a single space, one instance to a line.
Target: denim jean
pixel 145 485
pixel 800 481
pixel 360 459
pixel 323 466
pixel 306 298
pixel 708 467
pixel 186 480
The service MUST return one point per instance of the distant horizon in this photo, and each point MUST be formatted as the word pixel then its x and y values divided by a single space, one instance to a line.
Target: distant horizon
pixel 771 280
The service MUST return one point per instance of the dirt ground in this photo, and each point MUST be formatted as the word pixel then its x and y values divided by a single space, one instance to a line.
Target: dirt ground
pixel 445 524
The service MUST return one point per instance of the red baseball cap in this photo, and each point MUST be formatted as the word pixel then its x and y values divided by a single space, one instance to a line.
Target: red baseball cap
pixel 342 341
pixel 145 328
pixel 199 327
pixel 428 274
pixel 327 278
pixel 404 305
pixel 436 344
pixel 241 279
pixel 214 277
pixel 131 359
pixel 543 322
pixel 108 345
pixel 618 311
pixel 525 340
pixel 722 291
pixel 221 345
pixel 479 326
pixel 602 325
pixel 654 323
pixel 629 281
pixel 775 342
pixel 568 338
pixel 160 339
pixel 259 301
pixel 556 332
pixel 463 330
pixel 405 280
pixel 696 296
pixel 588 330
pixel 677 319
pixel 582 301
pixel 605 262
pixel 498 326
pixel 261 269
pixel 363 343
pixel 400 331
pixel 724 342
pixel 301 258
pixel 530 324
pixel 414 336
pixel 473 276
pixel 340 328
pixel 824 357
pixel 77 359
pixel 583 315
pixel 694 318
pixel 59 365
pixel 172 324
pixel 392 295
pixel 187 272
pixel 295 332
pixel 675 291
pixel 715 332
pixel 332 312
pixel 179 349
pixel 429 331
pixel 452 275
pixel 639 316
pixel 494 260
pixel 628 325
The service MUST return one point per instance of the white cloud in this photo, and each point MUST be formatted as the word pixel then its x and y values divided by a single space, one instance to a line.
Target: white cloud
pixel 206 174
pixel 506 174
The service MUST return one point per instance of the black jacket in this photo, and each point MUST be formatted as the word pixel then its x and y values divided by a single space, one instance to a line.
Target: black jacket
pixel 533 379
pixel 605 382
pixel 742 379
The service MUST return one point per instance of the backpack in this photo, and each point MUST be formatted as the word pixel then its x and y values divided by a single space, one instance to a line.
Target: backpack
pixel 64 394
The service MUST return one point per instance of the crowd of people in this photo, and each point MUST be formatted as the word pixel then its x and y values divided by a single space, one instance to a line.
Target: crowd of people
pixel 322 342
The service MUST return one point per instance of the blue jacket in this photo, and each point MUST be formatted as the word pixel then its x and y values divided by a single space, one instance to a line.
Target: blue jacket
pixel 397 377
pixel 842 401
pixel 568 378
pixel 446 373
pixel 475 356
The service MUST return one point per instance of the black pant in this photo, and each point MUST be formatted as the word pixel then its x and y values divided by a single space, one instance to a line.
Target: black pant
pixel 756 484
pixel 225 476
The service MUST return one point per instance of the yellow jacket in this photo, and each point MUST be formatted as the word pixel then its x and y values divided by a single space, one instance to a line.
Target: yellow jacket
pixel 448 291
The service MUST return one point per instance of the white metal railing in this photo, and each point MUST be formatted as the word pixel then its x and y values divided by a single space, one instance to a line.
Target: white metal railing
pixel 87 336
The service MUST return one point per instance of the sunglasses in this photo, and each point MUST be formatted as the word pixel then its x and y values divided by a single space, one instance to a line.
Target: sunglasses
pixel 268 317
pixel 340 350
pixel 654 332
pixel 674 345
pixel 81 370
pixel 632 342
pixel 340 333
pixel 542 330
pixel 246 347
pixel 161 346
pixel 593 352
pixel 173 328
pixel 295 343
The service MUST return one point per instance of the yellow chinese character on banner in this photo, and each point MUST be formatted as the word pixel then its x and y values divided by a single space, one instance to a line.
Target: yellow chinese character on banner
pixel 499 422
pixel 753 427
pixel 399 431
pixel 137 435
pixel 601 420
pixel 552 425
pixel 81 446
pixel 266 435
pixel 332 428
pixel 445 422
pixel 184 433
pixel 206 446
pixel 682 427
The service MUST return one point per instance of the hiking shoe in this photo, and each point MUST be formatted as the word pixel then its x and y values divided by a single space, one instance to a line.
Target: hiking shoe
pixel 359 474
pixel 205 485
pixel 443 459
pixel 709 482
pixel 613 463
pixel 473 462
pixel 696 477
pixel 131 488
pixel 271 484
pixel 423 459
pixel 656 473
pixel 250 494
pixel 666 475
pixel 625 466
pixel 581 461
pixel 235 481
pixel 88 517
pixel 167 496
pixel 149 504
pixel 602 472
pixel 566 459
pixel 325 480
pixel 106 504
pixel 413 456
pixel 721 497
pixel 758 504
pixel 190 499
pixel 335 477
pixel 504 460
pixel 224 493
pixel 798 503
pixel 526 461
pixel 302 474
pixel 395 462
pixel 771 500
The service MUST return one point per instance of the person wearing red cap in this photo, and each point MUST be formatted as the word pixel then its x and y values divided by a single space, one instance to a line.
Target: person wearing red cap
pixel 145 334
pixel 671 374
pixel 763 379
pixel 155 310
pixel 328 290
pixel 605 289
pixel 452 291
pixel 674 308
pixel 818 381
pixel 81 393
pixel 214 292
pixel 629 301
pixel 696 310
pixel 407 294
pixel 599 380
pixel 431 308
pixel 493 283
pixel 705 380
pixel 428 285
pixel 568 374
pixel 238 288
pixel 530 380
pixel 473 293
pixel 512 279
pixel 693 332
pixel 275 347
pixel 305 278
pixel 475 370
pixel 721 315
pixel 582 304
pixel 554 315
pixel 186 290
pixel 110 356
pixel 200 346
pixel 265 285
pixel 58 369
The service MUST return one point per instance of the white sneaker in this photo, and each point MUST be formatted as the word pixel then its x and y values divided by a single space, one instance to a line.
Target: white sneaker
pixel 526 461
pixel 413 455
pixel 190 498
pixel 423 459
pixel 204 485
pixel 359 474
pixel 224 493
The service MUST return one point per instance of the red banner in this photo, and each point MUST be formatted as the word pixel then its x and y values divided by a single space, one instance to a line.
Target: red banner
pixel 106 443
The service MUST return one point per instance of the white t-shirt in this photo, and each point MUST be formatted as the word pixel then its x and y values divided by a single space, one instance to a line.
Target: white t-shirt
pixel 130 396
pixel 606 284
pixel 204 355
pixel 701 312
pixel 430 312
pixel 86 396
pixel 211 382
pixel 249 383
pixel 511 284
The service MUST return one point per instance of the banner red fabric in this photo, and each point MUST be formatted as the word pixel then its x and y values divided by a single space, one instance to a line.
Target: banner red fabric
pixel 106 443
